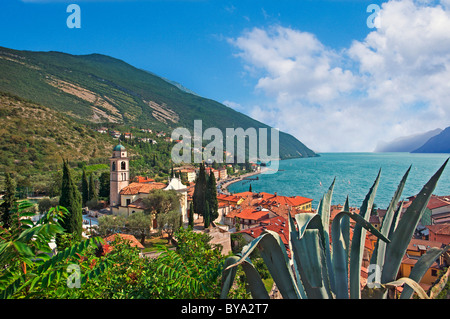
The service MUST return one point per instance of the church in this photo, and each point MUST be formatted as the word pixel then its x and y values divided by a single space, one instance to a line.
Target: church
pixel 127 197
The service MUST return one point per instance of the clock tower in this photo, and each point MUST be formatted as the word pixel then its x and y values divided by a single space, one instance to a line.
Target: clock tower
pixel 119 174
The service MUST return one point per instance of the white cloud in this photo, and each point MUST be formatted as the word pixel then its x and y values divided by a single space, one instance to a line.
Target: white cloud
pixel 399 85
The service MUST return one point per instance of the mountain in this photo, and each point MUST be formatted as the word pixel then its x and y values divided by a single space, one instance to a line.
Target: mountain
pixel 35 138
pixel 100 89
pixel 436 144
pixel 407 143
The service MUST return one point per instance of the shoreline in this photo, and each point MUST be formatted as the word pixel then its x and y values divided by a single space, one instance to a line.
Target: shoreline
pixel 224 186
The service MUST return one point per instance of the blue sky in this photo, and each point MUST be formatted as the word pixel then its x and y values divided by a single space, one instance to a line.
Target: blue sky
pixel 281 62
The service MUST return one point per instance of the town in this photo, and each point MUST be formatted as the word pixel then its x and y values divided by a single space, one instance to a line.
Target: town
pixel 232 219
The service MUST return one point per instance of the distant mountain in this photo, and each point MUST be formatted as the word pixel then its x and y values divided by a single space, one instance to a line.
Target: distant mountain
pixel 436 144
pixel 407 143
pixel 100 89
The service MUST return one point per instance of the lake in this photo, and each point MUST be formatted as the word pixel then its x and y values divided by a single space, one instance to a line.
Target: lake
pixel 355 174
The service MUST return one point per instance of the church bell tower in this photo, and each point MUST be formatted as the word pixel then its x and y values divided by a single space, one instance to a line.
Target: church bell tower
pixel 119 174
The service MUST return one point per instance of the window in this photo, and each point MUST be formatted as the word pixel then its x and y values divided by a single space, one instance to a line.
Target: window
pixel 434 272
pixel 128 201
pixel 113 167
pixel 123 165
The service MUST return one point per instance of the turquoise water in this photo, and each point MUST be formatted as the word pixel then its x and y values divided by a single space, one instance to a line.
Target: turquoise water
pixel 355 174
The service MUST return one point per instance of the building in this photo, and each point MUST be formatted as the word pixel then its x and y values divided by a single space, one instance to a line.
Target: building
pixel 127 198
pixel 417 248
pixel 119 173
pixel 440 233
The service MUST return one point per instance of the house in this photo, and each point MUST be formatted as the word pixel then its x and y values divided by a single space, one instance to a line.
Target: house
pixel 440 233
pixel 128 136
pixel 248 217
pixel 102 130
pixel 133 242
pixel 188 174
pixel 114 134
pixel 417 248
pixel 437 211
pixel 277 224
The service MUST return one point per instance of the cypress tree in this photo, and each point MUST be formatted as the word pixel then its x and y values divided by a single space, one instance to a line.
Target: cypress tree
pixel 84 188
pixel 199 197
pixel 211 197
pixel 250 188
pixel 191 215
pixel 92 190
pixel 9 198
pixel 71 199
pixel 207 216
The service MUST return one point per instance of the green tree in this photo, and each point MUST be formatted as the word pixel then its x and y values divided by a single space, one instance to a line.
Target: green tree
pixel 207 216
pixel 108 225
pixel 169 222
pixel 211 197
pixel 71 199
pixel 28 271
pixel 161 201
pixel 191 215
pixel 199 196
pixel 138 224
pixel 92 188
pixel 9 198
pixel 84 188
pixel 104 185
pixel 46 203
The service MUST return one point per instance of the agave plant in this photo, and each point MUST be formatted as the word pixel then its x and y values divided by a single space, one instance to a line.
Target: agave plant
pixel 318 269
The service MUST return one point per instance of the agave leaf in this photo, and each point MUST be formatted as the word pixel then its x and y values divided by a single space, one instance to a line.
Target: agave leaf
pixel 421 267
pixel 340 258
pixel 275 257
pixel 309 252
pixel 359 237
pixel 257 288
pixel 405 229
pixel 293 236
pixel 256 285
pixel 345 230
pixel 339 254
pixel 411 283
pixel 325 212
pixel 380 248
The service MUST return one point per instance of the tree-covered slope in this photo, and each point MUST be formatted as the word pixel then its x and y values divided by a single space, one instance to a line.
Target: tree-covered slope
pixel 98 89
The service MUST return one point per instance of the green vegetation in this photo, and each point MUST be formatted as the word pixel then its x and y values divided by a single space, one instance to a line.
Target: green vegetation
pixel 31 270
pixel 71 199
pixel 100 89
pixel 324 271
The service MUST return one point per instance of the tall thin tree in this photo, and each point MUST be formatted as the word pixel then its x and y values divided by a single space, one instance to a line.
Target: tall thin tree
pixel 84 188
pixel 71 199
pixel 9 199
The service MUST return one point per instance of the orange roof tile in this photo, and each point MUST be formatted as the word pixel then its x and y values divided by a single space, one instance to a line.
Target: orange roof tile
pixel 141 188
pixel 129 238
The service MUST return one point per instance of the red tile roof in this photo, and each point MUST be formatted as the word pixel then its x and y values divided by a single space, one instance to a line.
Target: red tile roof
pixel 277 224
pixel 142 179
pixel 141 188
pixel 129 238
pixel 440 229
pixel 252 214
